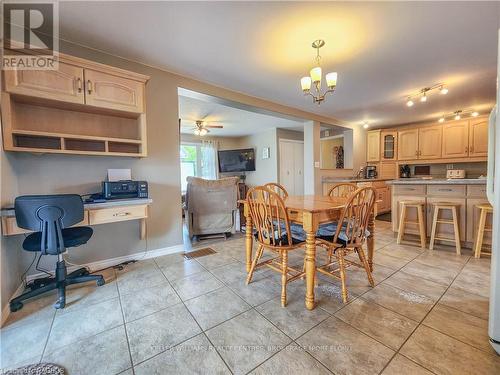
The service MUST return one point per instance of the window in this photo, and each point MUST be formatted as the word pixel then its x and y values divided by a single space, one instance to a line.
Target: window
pixel 199 160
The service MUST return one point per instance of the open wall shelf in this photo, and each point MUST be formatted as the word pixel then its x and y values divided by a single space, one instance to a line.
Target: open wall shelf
pixel 43 128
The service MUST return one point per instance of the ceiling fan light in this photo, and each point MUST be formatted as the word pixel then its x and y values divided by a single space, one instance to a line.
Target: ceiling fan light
pixel 203 132
pixel 331 80
pixel 305 83
pixel 315 74
pixel 196 131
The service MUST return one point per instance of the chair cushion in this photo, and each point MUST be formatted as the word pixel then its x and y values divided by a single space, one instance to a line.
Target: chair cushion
pixel 73 237
pixel 327 231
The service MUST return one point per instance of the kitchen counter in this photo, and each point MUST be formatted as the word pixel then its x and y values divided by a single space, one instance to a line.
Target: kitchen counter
pixel 437 181
pixel 353 180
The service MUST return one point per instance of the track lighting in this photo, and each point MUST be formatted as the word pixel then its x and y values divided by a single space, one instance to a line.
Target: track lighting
pixel 441 119
pixel 366 125
pixel 475 114
pixel 422 93
pixel 458 114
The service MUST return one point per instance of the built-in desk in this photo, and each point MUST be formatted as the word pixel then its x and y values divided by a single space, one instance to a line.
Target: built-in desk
pixel 111 211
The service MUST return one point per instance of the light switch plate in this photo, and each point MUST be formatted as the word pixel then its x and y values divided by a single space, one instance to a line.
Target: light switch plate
pixel 316 164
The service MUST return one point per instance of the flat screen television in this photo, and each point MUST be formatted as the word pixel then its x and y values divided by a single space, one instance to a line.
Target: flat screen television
pixel 237 160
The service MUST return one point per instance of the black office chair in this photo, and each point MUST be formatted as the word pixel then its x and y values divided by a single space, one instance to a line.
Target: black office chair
pixel 50 217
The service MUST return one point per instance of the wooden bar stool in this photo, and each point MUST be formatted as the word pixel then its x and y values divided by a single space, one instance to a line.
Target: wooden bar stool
pixel 454 221
pixel 485 210
pixel 419 206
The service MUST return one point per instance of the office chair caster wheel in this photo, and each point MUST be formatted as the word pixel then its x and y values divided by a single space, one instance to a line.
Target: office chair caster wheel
pixel 100 282
pixel 16 306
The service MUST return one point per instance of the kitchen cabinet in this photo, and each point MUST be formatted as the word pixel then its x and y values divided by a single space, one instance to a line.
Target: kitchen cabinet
pixel 64 84
pixel 109 91
pixel 478 137
pixel 408 144
pixel 373 146
pixel 456 139
pixel 429 142
pixel 388 145
pixel 388 170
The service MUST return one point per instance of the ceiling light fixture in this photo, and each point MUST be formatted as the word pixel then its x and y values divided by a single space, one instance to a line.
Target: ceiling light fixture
pixel 422 93
pixel 315 76
pixel 458 114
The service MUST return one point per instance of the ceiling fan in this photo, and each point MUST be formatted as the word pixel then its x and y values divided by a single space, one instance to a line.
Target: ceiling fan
pixel 201 128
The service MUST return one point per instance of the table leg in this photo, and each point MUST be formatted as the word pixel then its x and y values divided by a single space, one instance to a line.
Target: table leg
pixel 370 241
pixel 248 239
pixel 310 259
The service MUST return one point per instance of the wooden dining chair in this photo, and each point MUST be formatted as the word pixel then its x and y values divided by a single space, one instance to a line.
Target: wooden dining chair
pixel 271 222
pixel 278 189
pixel 343 189
pixel 349 236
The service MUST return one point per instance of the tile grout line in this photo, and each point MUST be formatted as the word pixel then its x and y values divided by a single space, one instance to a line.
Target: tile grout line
pixel 198 324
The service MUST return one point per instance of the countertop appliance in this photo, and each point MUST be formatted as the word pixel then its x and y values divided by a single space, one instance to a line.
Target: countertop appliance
pixel 124 189
pixel 455 173
pixel 493 192
pixel 405 171
pixel 371 171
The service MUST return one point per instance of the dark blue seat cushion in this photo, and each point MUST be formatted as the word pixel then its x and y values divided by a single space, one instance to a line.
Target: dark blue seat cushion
pixel 72 237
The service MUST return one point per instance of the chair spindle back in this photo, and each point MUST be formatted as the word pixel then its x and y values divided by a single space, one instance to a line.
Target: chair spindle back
pixel 343 189
pixel 278 189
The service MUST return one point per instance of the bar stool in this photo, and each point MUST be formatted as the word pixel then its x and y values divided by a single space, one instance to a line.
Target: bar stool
pixel 485 210
pixel 419 206
pixel 454 221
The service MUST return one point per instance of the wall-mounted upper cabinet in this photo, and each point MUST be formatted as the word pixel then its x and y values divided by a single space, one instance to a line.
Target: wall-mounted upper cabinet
pixel 83 108
pixel 373 146
pixel 109 91
pixel 388 145
pixel 408 144
pixel 64 84
pixel 429 142
pixel 456 139
pixel 478 137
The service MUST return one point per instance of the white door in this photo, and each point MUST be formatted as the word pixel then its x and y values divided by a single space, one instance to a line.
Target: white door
pixel 298 161
pixel 292 166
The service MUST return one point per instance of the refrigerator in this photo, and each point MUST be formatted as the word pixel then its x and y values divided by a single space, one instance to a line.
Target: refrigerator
pixel 493 192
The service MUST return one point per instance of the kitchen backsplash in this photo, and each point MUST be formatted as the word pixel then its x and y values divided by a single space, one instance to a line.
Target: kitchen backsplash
pixel 472 170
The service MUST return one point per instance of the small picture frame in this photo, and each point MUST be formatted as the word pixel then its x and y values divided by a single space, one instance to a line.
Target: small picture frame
pixel 265 153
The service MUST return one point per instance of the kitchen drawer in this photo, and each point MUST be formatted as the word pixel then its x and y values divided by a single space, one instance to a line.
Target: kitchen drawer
pixel 409 189
pixel 476 191
pixel 114 214
pixel 446 190
pixel 9 225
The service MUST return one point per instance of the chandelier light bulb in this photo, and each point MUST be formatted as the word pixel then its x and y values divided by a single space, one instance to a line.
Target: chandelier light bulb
pixel 305 83
pixel 331 80
pixel 409 102
pixel 315 74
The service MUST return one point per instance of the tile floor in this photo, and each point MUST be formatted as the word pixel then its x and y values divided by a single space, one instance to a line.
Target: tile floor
pixel 427 314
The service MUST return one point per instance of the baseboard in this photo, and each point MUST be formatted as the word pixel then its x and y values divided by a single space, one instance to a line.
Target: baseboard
pixel 6 308
pixel 95 266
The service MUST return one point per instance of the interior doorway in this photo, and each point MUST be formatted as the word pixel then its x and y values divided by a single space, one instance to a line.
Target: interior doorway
pixel 291 165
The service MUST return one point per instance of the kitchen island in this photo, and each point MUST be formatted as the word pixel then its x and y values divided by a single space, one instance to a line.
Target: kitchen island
pixel 468 193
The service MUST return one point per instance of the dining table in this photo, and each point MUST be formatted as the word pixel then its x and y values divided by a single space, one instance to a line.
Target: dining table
pixel 310 211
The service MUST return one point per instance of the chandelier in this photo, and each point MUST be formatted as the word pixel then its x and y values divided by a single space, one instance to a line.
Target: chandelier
pixel 315 78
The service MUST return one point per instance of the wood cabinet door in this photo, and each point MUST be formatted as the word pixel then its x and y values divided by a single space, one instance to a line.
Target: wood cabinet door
pixel 408 144
pixel 388 170
pixel 64 84
pixel 473 220
pixel 373 146
pixel 109 91
pixel 388 145
pixel 456 139
pixel 446 230
pixel 429 142
pixel 478 137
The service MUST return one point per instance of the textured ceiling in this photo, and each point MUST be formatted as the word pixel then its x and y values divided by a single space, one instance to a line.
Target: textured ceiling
pixel 381 51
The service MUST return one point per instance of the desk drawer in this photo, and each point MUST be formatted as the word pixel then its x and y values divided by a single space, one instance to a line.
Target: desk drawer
pixel 446 190
pixel 114 214
pixel 9 225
